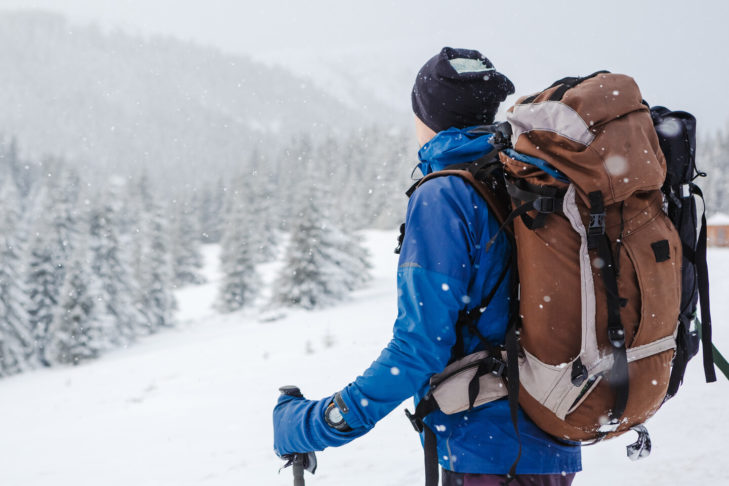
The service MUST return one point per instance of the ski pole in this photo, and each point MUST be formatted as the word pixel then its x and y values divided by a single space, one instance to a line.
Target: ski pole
pixel 298 468
pixel 299 462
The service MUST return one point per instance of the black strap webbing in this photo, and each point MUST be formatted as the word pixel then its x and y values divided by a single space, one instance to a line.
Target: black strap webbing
pixel 430 446
pixel 470 320
pixel 681 358
pixel 702 274
pixel 616 331
pixel 512 359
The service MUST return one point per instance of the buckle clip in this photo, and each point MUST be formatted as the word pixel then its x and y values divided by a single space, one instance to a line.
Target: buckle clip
pixel 544 204
pixel 496 366
pixel 416 422
pixel 597 224
pixel 616 336
pixel 685 191
pixel 579 373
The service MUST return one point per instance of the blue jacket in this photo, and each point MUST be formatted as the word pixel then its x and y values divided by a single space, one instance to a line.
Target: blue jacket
pixel 442 269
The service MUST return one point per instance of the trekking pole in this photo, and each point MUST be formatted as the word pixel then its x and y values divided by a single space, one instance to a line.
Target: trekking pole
pixel 299 462
pixel 298 468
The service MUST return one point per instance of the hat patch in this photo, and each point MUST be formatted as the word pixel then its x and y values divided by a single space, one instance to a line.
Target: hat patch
pixel 462 65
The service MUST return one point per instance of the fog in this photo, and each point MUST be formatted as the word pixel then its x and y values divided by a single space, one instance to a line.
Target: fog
pixel 674 49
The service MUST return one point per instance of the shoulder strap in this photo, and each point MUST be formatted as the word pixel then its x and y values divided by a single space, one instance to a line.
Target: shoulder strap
pixel 497 201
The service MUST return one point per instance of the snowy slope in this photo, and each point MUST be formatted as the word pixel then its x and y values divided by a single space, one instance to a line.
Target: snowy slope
pixel 192 406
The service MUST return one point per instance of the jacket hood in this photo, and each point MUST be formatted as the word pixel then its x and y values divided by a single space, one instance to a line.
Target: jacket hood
pixel 453 146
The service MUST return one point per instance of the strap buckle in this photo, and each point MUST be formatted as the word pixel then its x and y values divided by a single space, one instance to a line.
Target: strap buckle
pixel 596 230
pixel 597 224
pixel 416 422
pixel 545 205
pixel 579 373
pixel 685 191
pixel 495 366
pixel 616 336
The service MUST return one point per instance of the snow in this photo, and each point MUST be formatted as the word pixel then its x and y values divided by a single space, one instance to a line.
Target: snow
pixel 718 219
pixel 192 405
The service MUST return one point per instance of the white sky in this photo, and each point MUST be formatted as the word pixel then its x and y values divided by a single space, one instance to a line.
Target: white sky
pixel 676 50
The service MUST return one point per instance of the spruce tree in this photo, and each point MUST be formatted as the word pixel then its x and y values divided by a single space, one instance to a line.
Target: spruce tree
pixel 16 339
pixel 311 276
pixel 43 281
pixel 241 282
pixel 115 287
pixel 186 242
pixel 75 334
pixel 156 298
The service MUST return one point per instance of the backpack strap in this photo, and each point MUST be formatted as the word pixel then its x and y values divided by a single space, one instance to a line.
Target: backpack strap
pixel 702 273
pixel 598 240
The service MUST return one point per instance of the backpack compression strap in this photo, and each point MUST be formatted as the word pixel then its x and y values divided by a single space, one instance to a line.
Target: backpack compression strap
pixel 702 272
pixel 598 240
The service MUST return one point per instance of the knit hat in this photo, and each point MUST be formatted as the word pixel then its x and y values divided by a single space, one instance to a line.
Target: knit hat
pixel 458 88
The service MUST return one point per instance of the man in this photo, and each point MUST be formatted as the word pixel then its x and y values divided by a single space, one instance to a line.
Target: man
pixel 443 269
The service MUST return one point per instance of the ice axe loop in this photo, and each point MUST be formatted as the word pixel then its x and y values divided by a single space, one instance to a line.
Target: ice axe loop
pixel 299 462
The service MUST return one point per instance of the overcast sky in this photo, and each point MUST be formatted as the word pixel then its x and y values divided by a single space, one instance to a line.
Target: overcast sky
pixel 676 50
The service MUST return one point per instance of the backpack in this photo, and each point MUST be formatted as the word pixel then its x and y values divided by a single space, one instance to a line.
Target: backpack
pixel 600 189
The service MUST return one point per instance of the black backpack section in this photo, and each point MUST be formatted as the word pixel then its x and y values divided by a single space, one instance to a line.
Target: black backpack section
pixel 677 136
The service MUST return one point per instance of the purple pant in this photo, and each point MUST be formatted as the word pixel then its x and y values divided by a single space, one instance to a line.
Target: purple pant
pixel 459 479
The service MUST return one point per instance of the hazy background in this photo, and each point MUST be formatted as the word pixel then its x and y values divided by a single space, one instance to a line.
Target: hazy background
pixel 163 163
pixel 675 49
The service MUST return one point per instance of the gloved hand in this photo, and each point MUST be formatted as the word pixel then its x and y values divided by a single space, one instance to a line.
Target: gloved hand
pixel 299 426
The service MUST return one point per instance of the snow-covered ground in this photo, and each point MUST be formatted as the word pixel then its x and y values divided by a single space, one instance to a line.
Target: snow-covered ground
pixel 192 406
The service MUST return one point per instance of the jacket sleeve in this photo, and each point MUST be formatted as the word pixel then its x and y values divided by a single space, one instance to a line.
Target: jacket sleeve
pixel 433 277
pixel 434 271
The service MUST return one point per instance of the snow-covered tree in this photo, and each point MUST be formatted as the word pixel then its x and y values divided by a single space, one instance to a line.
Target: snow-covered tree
pixel 262 200
pixel 43 281
pixel 156 299
pixel 241 282
pixel 115 287
pixel 712 157
pixel 212 203
pixel 75 334
pixel 16 339
pixel 186 256
pixel 316 271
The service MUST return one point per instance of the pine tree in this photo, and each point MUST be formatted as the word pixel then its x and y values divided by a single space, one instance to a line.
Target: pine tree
pixel 116 288
pixel 351 258
pixel 75 333
pixel 312 276
pixel 211 209
pixel 156 275
pixel 43 281
pixel 241 282
pixel 264 217
pixel 186 255
pixel 16 339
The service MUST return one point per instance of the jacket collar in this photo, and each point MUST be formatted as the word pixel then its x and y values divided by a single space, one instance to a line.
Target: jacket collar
pixel 452 146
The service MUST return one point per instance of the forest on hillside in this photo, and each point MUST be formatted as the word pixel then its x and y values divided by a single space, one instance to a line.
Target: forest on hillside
pixel 86 267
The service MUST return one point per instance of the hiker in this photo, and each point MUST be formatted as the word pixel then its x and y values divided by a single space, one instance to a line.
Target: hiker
pixel 442 271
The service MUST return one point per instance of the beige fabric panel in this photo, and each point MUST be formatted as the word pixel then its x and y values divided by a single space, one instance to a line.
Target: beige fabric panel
pixel 552 116
pixel 589 350
pixel 450 387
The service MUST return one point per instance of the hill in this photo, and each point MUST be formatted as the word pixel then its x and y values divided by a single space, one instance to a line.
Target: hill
pixel 116 101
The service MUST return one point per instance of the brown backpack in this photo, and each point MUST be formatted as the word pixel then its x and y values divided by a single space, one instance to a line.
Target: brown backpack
pixel 599 260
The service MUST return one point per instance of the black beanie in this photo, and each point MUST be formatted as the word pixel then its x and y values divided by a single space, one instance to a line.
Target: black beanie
pixel 458 88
